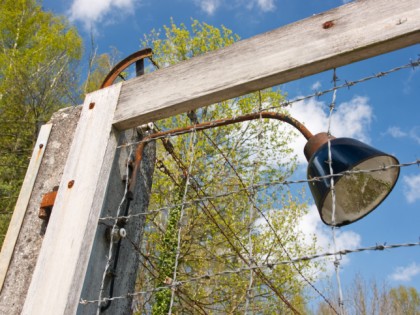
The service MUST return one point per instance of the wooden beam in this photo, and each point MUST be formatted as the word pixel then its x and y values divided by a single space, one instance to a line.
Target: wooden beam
pixel 22 202
pixel 60 270
pixel 355 31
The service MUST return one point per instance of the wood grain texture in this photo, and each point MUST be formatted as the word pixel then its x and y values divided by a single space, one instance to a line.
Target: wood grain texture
pixel 59 274
pixel 356 31
pixel 22 202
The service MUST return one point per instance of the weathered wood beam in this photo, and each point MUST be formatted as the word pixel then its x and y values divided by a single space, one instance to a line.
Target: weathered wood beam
pixel 352 32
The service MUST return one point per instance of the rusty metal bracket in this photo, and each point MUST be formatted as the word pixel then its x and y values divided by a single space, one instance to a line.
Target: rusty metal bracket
pixel 47 203
pixel 123 64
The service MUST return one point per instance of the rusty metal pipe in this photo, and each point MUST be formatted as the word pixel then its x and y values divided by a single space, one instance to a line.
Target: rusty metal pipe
pixel 123 64
pixel 213 124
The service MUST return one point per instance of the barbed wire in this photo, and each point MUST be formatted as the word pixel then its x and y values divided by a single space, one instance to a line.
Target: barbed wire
pixel 269 265
pixel 263 185
pixel 347 84
pixel 226 228
pixel 252 266
pixel 178 248
pixel 333 199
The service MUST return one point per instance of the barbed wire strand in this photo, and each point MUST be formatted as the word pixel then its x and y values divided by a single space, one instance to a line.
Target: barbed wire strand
pixel 269 265
pixel 249 295
pixel 347 84
pixel 264 185
pixel 178 249
pixel 333 197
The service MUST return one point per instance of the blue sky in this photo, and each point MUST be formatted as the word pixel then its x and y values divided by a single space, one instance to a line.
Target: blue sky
pixel 384 112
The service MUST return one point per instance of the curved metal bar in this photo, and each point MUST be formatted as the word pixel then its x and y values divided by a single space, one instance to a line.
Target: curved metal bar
pixel 123 64
pixel 212 124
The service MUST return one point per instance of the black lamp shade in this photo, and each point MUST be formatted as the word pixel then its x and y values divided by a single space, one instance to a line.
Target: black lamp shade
pixel 357 194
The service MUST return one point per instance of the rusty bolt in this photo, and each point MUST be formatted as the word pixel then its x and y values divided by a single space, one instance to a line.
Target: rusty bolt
pixel 70 184
pixel 91 105
pixel 328 25
pixel 41 146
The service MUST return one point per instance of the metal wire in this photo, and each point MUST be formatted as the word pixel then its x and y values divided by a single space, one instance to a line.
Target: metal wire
pixel 249 296
pixel 333 197
pixel 269 265
pixel 178 250
pixel 347 84
pixel 264 185
pixel 111 243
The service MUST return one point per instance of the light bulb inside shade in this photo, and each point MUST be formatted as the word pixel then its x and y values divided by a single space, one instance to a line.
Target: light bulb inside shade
pixel 358 193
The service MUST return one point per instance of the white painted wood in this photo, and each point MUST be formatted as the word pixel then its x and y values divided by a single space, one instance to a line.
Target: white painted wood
pixel 59 273
pixel 361 29
pixel 22 202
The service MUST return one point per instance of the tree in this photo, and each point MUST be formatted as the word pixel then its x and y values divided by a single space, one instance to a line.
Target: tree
pixel 225 233
pixel 99 67
pixel 404 300
pixel 370 297
pixel 38 57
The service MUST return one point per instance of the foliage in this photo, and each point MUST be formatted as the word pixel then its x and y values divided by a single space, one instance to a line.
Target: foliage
pixel 219 234
pixel 37 61
pixel 369 297
pixel 99 67
pixel 404 300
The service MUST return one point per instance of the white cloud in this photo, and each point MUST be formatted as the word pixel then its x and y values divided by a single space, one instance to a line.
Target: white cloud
pixel 92 11
pixel 412 187
pixel 351 119
pixel 208 6
pixel 415 134
pixel 316 86
pixel 311 225
pixel 406 273
pixel 396 132
pixel 266 5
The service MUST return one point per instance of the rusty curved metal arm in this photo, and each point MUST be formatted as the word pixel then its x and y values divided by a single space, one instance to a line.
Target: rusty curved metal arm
pixel 123 64
pixel 213 124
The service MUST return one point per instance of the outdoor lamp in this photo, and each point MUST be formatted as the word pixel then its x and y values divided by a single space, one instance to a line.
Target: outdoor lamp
pixel 358 193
